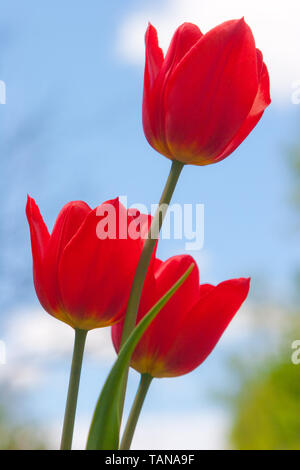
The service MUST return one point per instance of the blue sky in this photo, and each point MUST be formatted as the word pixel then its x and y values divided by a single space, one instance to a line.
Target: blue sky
pixel 71 129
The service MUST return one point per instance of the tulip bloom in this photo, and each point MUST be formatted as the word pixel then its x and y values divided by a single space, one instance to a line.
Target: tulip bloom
pixel 81 277
pixel 187 329
pixel 202 100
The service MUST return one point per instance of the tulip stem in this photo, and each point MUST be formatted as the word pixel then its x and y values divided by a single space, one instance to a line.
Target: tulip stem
pixel 71 404
pixel 144 261
pixel 135 411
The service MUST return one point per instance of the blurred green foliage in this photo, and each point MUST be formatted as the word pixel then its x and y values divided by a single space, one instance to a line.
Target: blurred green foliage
pixel 14 436
pixel 266 406
pixel 267 410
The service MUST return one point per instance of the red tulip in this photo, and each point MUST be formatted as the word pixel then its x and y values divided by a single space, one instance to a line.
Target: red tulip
pixel 187 329
pixel 203 99
pixel 80 278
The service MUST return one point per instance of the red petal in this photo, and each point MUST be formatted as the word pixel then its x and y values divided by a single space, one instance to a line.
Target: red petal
pixel 39 241
pixel 67 223
pixel 95 275
pixel 153 62
pixel 159 336
pixel 203 326
pixel 157 73
pixel 154 56
pixel 261 101
pixel 38 230
pixel 184 38
pixel 162 330
pixel 211 92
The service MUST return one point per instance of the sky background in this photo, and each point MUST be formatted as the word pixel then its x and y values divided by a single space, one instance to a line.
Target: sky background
pixel 71 129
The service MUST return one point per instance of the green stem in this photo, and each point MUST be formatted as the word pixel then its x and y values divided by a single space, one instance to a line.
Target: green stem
pixel 71 404
pixel 144 261
pixel 135 411
pixel 143 264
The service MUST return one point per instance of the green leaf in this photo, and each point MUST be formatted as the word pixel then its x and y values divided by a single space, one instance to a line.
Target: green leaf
pixel 105 427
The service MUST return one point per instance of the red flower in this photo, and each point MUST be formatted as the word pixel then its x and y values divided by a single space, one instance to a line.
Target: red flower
pixel 80 278
pixel 187 329
pixel 203 99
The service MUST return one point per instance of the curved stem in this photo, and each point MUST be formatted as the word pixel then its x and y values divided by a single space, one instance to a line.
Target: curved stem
pixel 71 404
pixel 135 411
pixel 143 264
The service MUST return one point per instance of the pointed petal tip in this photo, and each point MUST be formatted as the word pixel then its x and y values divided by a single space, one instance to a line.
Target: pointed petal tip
pixel 114 202
pixel 151 34
pixel 150 30
pixel 246 281
pixel 29 199
pixel 243 280
pixel 244 284
pixel 238 23
pixel 241 283
pixel 242 21
pixel 150 26
pixel 38 230
pixel 31 206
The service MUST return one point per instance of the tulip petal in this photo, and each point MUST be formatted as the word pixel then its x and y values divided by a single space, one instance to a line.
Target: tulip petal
pixel 153 62
pixel 39 241
pixel 38 229
pixel 90 269
pixel 67 223
pixel 154 56
pixel 211 92
pixel 184 38
pixel 261 101
pixel 159 336
pixel 203 326
pixel 156 76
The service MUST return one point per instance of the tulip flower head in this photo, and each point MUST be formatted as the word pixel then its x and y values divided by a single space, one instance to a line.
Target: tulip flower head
pixel 206 95
pixel 188 328
pixel 81 277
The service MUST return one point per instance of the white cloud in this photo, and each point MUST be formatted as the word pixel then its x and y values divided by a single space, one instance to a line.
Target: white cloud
pixel 36 332
pixel 275 26
pixel 34 339
pixel 205 430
